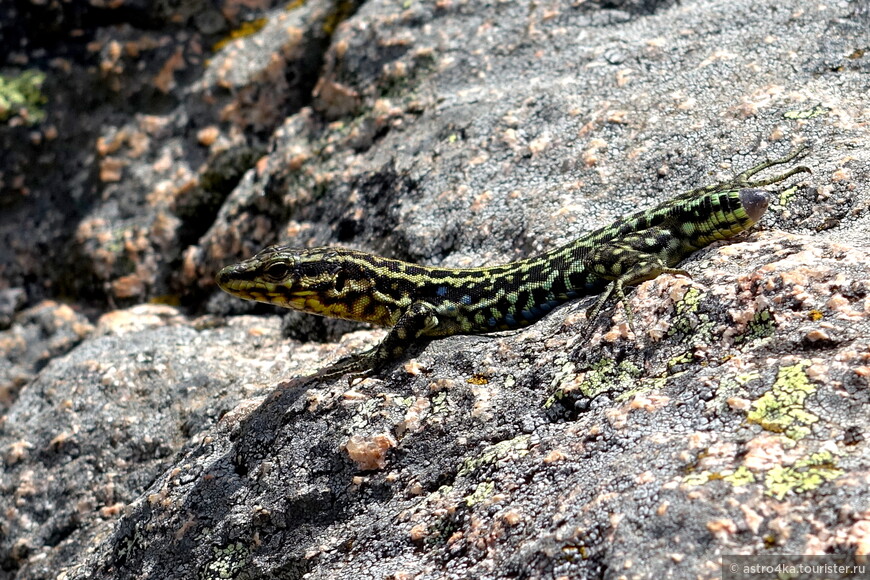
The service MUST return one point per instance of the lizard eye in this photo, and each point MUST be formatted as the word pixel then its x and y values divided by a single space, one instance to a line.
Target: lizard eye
pixel 277 271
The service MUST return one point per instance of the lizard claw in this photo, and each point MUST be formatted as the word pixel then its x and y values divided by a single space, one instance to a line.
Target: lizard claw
pixel 355 367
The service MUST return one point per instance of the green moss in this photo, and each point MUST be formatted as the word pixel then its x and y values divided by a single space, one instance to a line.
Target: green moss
pixel 740 476
pixel 227 562
pixel 807 473
pixel 483 490
pixel 680 359
pixel 508 449
pixel 606 375
pixel 816 111
pixel 786 195
pixel 690 302
pixel 439 403
pixel 696 479
pixel 689 320
pixel 782 408
pixel 21 96
pixel 762 325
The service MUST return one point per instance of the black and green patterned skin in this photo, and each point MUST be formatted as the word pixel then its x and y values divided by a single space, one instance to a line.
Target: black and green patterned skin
pixel 418 301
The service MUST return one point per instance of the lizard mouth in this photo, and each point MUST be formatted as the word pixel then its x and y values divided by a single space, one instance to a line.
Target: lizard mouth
pixel 755 202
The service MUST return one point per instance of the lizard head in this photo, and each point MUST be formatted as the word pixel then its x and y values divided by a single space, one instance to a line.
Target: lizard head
pixel 281 274
pixel 754 202
pixel 321 281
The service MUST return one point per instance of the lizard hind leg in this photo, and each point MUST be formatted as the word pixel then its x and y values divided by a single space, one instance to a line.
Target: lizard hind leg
pixel 744 179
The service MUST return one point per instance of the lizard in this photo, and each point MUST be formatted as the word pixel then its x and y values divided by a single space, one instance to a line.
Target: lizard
pixel 417 301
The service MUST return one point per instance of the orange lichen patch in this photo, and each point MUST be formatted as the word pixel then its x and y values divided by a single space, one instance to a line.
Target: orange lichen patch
pixel 718 453
pixel 111 170
pixel 481 201
pixel 699 440
pixel 859 536
pixel 752 518
pixel 412 422
pixel 764 452
pixel 440 385
pixel 181 532
pixel 164 81
pixel 137 319
pixel 645 477
pixel 172 191
pixel 818 371
pixel 334 99
pixel 553 456
pixel 137 142
pixel 722 528
pixel 152 124
pixel 128 286
pixel 297 158
pixel 649 403
pixel 163 163
pixel 190 260
pixel 618 117
pixel 591 155
pixel 843 306
pixel 841 175
pixel 208 135
pixel 110 59
pixel 241 411
pixel 512 517
pixel 541 144
pixel 17 451
pixel 418 532
pixel 163 229
pixel 110 144
pixel 817 335
pixel 413 367
pixel 623 76
pixel 739 404
pixel 369 453
pixel 511 138
pixel 112 511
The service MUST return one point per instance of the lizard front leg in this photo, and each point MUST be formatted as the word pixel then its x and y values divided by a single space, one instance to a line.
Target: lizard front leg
pixel 415 322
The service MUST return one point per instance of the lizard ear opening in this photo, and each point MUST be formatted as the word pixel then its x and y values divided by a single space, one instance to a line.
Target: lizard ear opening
pixel 339 281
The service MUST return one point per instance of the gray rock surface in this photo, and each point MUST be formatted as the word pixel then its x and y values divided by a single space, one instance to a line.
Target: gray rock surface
pixel 155 428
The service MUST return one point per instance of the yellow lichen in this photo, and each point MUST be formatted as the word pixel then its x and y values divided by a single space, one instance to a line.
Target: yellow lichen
pixel 782 408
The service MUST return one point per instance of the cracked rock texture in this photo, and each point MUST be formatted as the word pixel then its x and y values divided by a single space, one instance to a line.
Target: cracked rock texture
pixel 152 427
